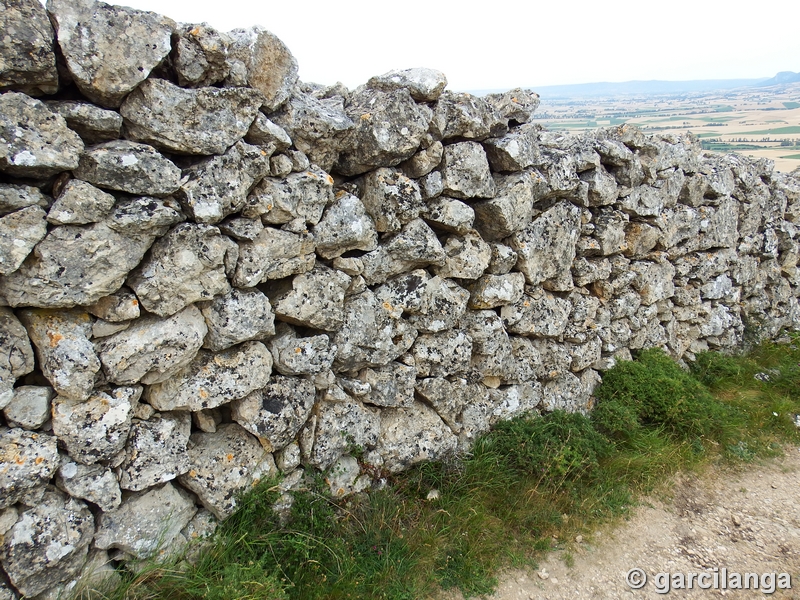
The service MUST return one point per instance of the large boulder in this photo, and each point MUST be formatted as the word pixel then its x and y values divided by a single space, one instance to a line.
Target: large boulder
pixel 345 225
pixel 411 435
pixel 316 299
pixel 424 85
pixel 238 316
pixel 28 460
pixel 27 60
pixel 155 451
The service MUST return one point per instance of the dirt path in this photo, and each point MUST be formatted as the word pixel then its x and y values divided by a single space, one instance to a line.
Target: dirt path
pixel 746 522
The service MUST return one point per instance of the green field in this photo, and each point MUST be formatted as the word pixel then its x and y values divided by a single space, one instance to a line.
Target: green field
pixel 792 104
pixel 777 130
pixel 792 156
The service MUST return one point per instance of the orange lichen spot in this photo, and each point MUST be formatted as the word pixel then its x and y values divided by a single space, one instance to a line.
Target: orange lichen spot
pixel 526 303
pixel 229 456
pixel 135 302
pixel 387 306
pixel 192 473
pixel 39 460
pixel 298 350
pixel 203 393
pixel 269 206
pixel 330 180
pixel 263 153
pixel 54 338
pixel 366 117
pixel 195 31
pixel 19 460
pixel 515 100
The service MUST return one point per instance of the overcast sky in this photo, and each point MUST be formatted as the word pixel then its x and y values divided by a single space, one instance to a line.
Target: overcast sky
pixel 492 45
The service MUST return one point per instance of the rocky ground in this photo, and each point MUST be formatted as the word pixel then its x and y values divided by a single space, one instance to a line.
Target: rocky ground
pixel 747 521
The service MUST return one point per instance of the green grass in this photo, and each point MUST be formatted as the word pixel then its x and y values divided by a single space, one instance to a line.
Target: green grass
pixel 775 131
pixel 526 484
pixel 792 104
pixel 792 156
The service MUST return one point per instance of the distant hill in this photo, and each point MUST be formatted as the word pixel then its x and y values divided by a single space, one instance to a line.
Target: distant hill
pixel 781 78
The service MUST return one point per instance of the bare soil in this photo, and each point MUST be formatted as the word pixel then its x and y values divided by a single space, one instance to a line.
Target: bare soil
pixel 745 520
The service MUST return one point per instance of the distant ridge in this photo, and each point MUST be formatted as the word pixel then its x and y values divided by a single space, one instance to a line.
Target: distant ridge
pixel 781 78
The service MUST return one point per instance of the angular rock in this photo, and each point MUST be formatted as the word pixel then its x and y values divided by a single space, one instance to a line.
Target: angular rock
pixel 48 544
pixel 449 397
pixel 299 196
pixel 609 230
pixel 369 336
pixel 80 203
pixel 117 307
pixel 15 197
pixel 95 430
pixel 466 116
pixel 468 257
pixel 94 124
pixel 238 316
pixel 341 428
pixel 491 291
pixel 200 56
pixel 442 354
pixel 16 354
pixel 586 271
pixel 404 293
pixel 155 451
pixel 316 299
pixel 503 259
pixel 186 265
pixel 276 412
pixel 29 63
pixel 448 214
pixel 654 281
pixel 465 171
pixel 274 254
pixel 129 167
pixel 424 85
pixel 585 355
pixel 34 141
pixel 414 246
pixel 187 121
pixel 391 199
pixel 264 132
pixel 345 226
pixel 565 393
pixel 538 313
pixel 411 435
pixel 389 127
pixel 19 233
pixel 441 305
pixel 390 385
pixel 640 238
pixel 554 358
pixel 262 61
pixel 144 217
pixel 211 380
pixel 602 186
pixel 512 208
pixel 515 151
pixel 27 461
pixel 30 407
pixel 153 349
pixel 424 161
pixel 66 356
pixel 515 105
pixel 146 521
pixel 431 185
pixel 96 484
pixel 241 229
pixel 293 355
pixel 223 465
pixel 105 65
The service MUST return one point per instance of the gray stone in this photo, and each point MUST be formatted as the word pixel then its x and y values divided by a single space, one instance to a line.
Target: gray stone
pixel 299 196
pixel 411 435
pixel 515 151
pixel 441 305
pixel 293 355
pixel 516 105
pixel 28 61
pixel 94 124
pixel 152 349
pixel 391 199
pixel 95 429
pixel 241 229
pixel 211 380
pixel 189 121
pixel 200 55
pixel 640 238
pixel 19 233
pixel 464 116
pixel 276 412
pixel 565 393
pixel 602 186
pixel 389 127
pixel 34 141
pixel 102 328
pixel 66 356
pixel 431 185
pixel 450 397
pixel 538 313
pixel 491 291
pixel 424 85
pixel 146 521
pixel 61 526
pixel 512 208
pixel 143 217
pixel 403 293
pixel 274 254
pixel 182 267
pixel 343 477
pixel 414 246
pixel 369 336
pixel 96 484
pixel 155 451
pixel 288 459
pixel 13 197
pixel 262 61
pixel 345 226
pixel 654 281
pixel 468 257
pixel 609 231
pixel 16 354
pixel 448 214
pixel 129 167
pixel 465 171
pixel 120 306
pixel 442 354
pixel 104 64
pixel 343 427
pixel 8 516
pixel 238 316
pixel 524 363
pixel 503 259
pixel 264 132
pixel 508 402
pixel 316 299
pixel 218 186
pixel 586 271
pixel 585 355
pixel 718 225
pixel 546 248
pixel 390 385
pixel 280 166
pixel 30 407
pixel 80 203
pixel 424 161
pixel 554 359
pixel 27 461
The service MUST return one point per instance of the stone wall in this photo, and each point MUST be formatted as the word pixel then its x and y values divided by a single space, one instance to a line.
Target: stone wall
pixel 211 273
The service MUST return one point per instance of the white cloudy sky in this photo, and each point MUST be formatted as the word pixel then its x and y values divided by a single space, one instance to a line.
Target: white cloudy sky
pixel 490 44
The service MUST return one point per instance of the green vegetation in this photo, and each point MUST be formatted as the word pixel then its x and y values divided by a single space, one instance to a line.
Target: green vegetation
pixel 791 104
pixel 776 131
pixel 792 156
pixel 527 484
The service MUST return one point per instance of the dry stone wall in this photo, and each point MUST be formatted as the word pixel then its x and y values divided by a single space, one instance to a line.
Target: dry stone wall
pixel 212 273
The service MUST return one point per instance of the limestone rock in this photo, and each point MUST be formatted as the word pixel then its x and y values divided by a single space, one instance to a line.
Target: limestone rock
pixel 512 208
pixel 274 254
pixel 602 186
pixel 315 300
pixel 61 525
pixel 300 196
pixel 449 398
pixel 609 231
pixel 403 293
pixel 28 61
pixel 503 259
pixel 442 303
pixel 262 61
pixel 414 246
pixel 211 380
pixel 345 226
pixel 34 141
pixel 238 316
pixel 565 393
pixel 389 127
pixel 537 313
pixel 341 428
pixel 129 167
pixel 424 161
pixel 186 265
pixel 120 306
pixel 293 355
pixel 189 121
pixel 515 151
pixel 19 233
pixel 30 407
pixel 465 171
pixel 640 238
pixel 14 197
pixel 65 353
pixel 515 105
pixel 155 451
pixel 424 85
pixel 654 281
pixel 96 484
pixel 467 117
pixel 94 124
pixel 200 56
pixel 103 46
pixel 143 217
pixel 411 435
pixel 223 465
pixel 95 429
pixel 80 203
pixel 241 229
pixel 442 354
pixel 146 521
pixel 152 349
pixel 468 257
pixel 264 132
pixel 554 358
pixel 276 412
pixel 16 354
pixel 389 385
pixel 449 214
pixel 27 461
pixel 390 198
pixel 491 291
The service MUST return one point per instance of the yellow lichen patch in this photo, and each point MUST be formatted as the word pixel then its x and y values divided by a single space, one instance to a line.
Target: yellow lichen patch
pixel 39 460
pixel 135 302
pixel 366 117
pixel 229 456
pixel 19 460
pixel 298 350
pixel 387 306
pixel 330 180
pixel 203 393
pixel 526 303
pixel 195 31
pixel 192 473
pixel 263 153
pixel 54 338
pixel 269 206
